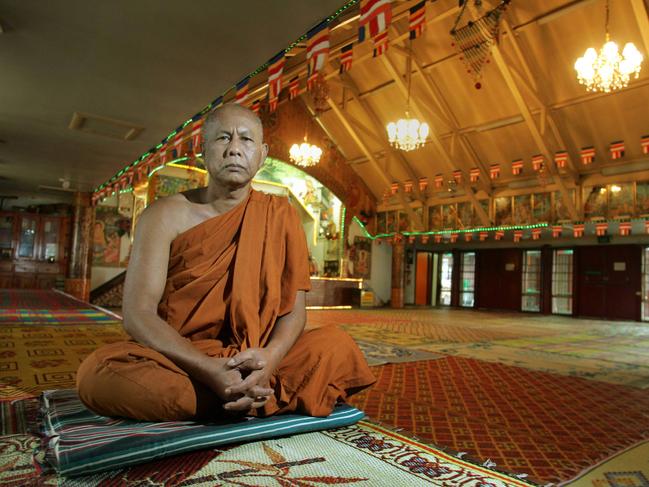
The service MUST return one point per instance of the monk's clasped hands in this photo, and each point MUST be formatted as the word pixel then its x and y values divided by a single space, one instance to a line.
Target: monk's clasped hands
pixel 256 366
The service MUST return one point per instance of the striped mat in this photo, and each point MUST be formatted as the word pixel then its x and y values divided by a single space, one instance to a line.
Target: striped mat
pixel 35 316
pixel 81 442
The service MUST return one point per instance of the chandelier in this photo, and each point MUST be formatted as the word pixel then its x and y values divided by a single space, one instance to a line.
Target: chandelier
pixel 609 69
pixel 305 154
pixel 407 133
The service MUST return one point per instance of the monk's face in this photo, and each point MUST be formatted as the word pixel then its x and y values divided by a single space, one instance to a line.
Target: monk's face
pixel 234 149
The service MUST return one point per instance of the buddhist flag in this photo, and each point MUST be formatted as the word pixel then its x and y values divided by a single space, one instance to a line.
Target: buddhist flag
pixel 517 167
pixel 424 239
pixel 417 20
pixel 499 234
pixel 600 229
pixel 438 238
pixel 537 162
pixel 617 149
pixel 394 188
pixel 646 226
pixel 255 106
pixel 375 19
pixel 457 175
pixel 423 184
pixel 494 171
pixel 474 175
pixel 536 233
pixel 587 155
pixel 561 159
pixel 468 236
pixel 483 236
pixel 346 58
pixel 439 181
pixel 294 88
pixel 453 237
pixel 317 52
pixel 242 91
pixel 644 143
pixel 179 142
pixel 163 153
pixel 578 230
pixel 556 231
pixel 407 186
pixel 625 228
pixel 411 239
pixel 275 70
pixel 197 135
pixel 518 235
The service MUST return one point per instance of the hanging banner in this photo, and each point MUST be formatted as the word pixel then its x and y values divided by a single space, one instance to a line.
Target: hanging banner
pixel 644 143
pixel 407 186
pixel 457 176
pixel 617 149
pixel 424 239
pixel 197 136
pixel 294 88
pixel 438 238
pixel 376 16
pixel 394 188
pixel 317 52
pixel 536 233
pixel 578 230
pixel 561 159
pixel 474 175
pixel 494 171
pixel 537 162
pixel 423 184
pixel 556 231
pixel 518 235
pixel 242 91
pixel 517 167
pixel 625 228
pixel 275 71
pixel 499 234
pixel 600 229
pixel 468 237
pixel 439 181
pixel 346 58
pixel 587 155
pixel 483 236
pixel 453 238
pixel 417 20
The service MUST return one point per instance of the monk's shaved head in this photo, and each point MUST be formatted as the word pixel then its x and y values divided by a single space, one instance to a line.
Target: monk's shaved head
pixel 216 113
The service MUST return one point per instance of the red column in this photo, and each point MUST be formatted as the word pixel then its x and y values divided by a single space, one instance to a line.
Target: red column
pixel 396 299
pixel 77 282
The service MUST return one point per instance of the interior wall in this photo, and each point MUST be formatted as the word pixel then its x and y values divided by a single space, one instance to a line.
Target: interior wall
pixel 99 275
pixel 381 279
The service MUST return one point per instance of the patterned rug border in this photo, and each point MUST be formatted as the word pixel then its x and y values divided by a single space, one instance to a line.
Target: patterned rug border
pixel 99 308
pixel 592 468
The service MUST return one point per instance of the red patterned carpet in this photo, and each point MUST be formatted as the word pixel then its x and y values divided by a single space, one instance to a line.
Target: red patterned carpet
pixel 545 425
pixel 37 299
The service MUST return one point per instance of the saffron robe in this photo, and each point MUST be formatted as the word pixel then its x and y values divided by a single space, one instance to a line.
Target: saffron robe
pixel 229 279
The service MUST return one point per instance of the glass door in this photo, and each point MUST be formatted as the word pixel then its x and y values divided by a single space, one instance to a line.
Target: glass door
pixel 531 295
pixel 49 248
pixel 562 276
pixel 446 279
pixel 6 237
pixel 467 290
pixel 27 237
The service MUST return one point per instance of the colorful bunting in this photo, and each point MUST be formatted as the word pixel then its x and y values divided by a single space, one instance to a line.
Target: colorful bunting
pixel 483 236
pixel 494 171
pixel 294 88
pixel 578 230
pixel 474 175
pixel 275 70
pixel 518 235
pixel 561 159
pixel 317 52
pixel 438 238
pixel 646 226
pixel 587 155
pixel 197 136
pixel 517 167
pixel 468 236
pixel 179 142
pixel 499 234
pixel 417 20
pixel 457 176
pixel 394 187
pixel 439 181
pixel 346 58
pixel 617 149
pixel 625 228
pixel 411 239
pixel 242 91
pixel 256 105
pixel 453 237
pixel 536 233
pixel 375 19
pixel 644 143
pixel 424 239
pixel 407 186
pixel 537 162
pixel 600 229
pixel 423 184
pixel 556 231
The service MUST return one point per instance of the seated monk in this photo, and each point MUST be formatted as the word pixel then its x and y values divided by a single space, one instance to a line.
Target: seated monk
pixel 214 299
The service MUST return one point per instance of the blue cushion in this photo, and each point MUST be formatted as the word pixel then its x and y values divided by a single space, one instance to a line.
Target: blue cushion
pixel 82 442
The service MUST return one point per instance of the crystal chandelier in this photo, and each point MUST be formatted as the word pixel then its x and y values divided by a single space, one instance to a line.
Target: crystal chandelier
pixel 609 70
pixel 305 154
pixel 407 133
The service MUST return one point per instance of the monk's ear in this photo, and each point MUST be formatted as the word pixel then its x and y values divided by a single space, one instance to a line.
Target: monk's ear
pixel 264 154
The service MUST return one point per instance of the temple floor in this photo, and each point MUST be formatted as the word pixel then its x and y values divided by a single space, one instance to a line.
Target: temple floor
pixel 549 397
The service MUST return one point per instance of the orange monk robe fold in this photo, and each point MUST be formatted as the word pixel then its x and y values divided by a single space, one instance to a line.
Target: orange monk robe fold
pixel 229 279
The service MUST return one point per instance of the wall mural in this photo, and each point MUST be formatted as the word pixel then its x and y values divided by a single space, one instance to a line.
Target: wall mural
pixel 360 258
pixel 109 231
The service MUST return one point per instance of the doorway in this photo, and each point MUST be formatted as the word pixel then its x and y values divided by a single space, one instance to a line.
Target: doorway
pixel 445 279
pixel 423 278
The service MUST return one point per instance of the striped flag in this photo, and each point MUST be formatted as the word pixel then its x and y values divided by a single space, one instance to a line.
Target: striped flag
pixel 179 143
pixel 407 186
pixel 483 236
pixel 600 229
pixel 587 155
pixel 375 19
pixel 424 239
pixel 346 58
pixel 255 106
pixel 536 233
pixel 468 236
pixel 499 234
pixel 644 143
pixel 242 91
pixel 394 188
pixel 537 162
pixel 518 235
pixel 617 149
pixel 494 171
pixel 561 159
pixel 474 175
pixel 439 181
pixel 457 175
pixel 625 228
pixel 578 230
pixel 411 239
pixel 556 231
pixel 197 135
pixel 646 226
pixel 294 88
pixel 317 52
pixel 517 167
pixel 275 70
pixel 423 183
pixel 417 19
pixel 438 238
pixel 453 237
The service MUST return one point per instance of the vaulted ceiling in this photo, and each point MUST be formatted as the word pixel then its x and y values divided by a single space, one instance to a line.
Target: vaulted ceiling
pixel 155 64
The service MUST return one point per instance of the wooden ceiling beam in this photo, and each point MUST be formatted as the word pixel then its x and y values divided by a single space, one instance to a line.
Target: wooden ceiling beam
pixel 642 17
pixel 437 143
pixel 387 178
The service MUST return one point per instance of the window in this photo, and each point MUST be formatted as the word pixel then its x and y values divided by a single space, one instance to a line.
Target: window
pixel 446 279
pixel 531 295
pixel 562 282
pixel 467 289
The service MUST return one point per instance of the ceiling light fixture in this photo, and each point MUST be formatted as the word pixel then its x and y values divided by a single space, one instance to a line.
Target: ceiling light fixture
pixel 408 133
pixel 305 154
pixel 609 69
